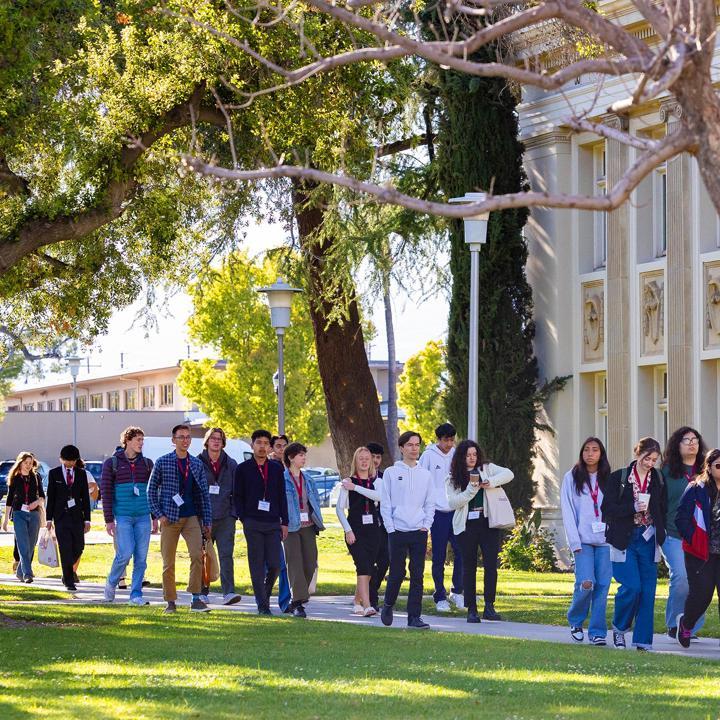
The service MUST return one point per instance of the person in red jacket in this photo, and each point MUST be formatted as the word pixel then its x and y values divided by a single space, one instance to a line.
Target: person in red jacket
pixel 698 520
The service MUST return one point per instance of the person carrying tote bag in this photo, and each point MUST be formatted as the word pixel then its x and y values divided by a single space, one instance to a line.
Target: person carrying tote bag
pixel 497 508
pixel 471 476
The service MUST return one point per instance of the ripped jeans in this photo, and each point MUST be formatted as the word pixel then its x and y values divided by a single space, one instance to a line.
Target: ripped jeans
pixel 593 574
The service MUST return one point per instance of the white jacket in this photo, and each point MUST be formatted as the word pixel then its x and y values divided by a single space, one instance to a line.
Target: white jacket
pixel 407 498
pixel 460 499
pixel 437 463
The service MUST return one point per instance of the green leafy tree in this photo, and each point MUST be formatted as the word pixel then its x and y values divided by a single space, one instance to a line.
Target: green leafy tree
pixel 422 389
pixel 232 318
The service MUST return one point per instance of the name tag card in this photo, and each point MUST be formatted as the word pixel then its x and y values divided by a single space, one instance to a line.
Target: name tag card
pixel 304 517
pixel 25 508
pixel 177 499
pixel 474 515
pixel 214 489
pixel 136 490
pixel 367 519
pixel 649 533
pixel 71 503
pixel 598 527
pixel 264 505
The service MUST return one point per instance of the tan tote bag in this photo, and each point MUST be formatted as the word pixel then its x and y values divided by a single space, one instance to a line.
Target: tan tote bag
pixel 498 509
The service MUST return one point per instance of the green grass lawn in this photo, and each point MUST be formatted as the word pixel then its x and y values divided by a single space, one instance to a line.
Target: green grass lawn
pixel 522 596
pixel 118 662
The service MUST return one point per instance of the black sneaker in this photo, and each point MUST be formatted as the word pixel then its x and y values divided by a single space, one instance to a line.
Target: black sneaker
pixel 264 611
pixel 122 584
pixel 170 608
pixel 299 611
pixel 76 579
pixel 386 615
pixel 417 622
pixel 145 583
pixel 28 580
pixel 619 640
pixel 600 641
pixel 473 617
pixel 199 606
pixel 489 613
pixel 672 633
pixel 577 634
pixel 71 587
pixel 683 634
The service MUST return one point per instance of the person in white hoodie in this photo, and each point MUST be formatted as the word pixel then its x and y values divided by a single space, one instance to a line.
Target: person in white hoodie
pixel 407 505
pixel 581 497
pixel 436 460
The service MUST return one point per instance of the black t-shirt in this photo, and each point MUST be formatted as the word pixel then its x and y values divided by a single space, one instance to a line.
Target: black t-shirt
pixel 359 505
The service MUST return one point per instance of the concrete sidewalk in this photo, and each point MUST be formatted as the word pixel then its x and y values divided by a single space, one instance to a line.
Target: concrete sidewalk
pixel 337 608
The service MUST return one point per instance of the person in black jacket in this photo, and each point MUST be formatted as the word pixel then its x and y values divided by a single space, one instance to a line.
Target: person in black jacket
pixel 261 506
pixel 68 506
pixel 634 508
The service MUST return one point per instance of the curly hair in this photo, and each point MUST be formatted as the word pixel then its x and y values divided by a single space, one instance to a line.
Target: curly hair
pixel 458 466
pixel 673 459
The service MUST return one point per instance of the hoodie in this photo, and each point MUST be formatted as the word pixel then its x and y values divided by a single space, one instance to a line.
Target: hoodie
pixel 578 514
pixel 407 500
pixel 437 463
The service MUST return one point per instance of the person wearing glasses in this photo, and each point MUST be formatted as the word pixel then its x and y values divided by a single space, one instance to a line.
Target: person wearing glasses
pixel 634 508
pixel 178 496
pixel 698 521
pixel 683 461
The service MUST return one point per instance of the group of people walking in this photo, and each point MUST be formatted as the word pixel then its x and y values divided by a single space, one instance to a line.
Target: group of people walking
pixel 619 524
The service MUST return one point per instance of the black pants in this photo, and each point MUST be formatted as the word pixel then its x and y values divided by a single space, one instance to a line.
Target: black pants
pixel 479 535
pixel 400 546
pixel 263 550
pixel 704 580
pixel 382 563
pixel 70 533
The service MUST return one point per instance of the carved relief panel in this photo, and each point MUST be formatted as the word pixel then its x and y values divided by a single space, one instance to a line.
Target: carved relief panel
pixel 711 303
pixel 593 320
pixel 652 310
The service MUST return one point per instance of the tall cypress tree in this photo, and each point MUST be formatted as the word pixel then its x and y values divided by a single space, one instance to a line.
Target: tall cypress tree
pixel 478 149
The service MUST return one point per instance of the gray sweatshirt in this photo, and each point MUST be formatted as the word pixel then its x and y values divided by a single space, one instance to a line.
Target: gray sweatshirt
pixel 578 513
pixel 407 498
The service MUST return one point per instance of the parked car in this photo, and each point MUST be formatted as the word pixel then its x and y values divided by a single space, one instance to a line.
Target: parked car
pixel 334 495
pixel 325 480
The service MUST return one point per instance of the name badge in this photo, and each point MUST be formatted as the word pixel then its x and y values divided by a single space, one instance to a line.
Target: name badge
pixel 136 490
pixel 474 515
pixel 367 519
pixel 304 517
pixel 214 489
pixel 264 505
pixel 71 503
pixel 177 499
pixel 649 533
pixel 598 527
pixel 25 508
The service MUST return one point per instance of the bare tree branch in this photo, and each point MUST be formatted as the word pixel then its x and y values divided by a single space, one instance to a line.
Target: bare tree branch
pixel 583 125
pixel 19 345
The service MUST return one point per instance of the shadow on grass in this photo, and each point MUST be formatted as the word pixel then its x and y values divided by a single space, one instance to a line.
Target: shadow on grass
pixel 138 663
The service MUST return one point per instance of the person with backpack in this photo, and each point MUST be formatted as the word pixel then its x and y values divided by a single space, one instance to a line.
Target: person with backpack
pixel 634 508
pixel 698 520
pixel 124 482
pixel 581 497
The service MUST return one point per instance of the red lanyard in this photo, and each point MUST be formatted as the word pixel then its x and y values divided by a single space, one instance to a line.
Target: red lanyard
pixel 641 488
pixel 594 495
pixel 367 487
pixel 298 487
pixel 184 473
pixel 132 471
pixel 27 490
pixel 215 465
pixel 689 478
pixel 263 470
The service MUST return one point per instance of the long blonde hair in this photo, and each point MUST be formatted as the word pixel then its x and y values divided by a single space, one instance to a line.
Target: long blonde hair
pixel 353 464
pixel 15 469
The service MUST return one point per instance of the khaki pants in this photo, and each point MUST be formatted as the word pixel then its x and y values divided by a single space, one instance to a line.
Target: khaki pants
pixel 189 528
pixel 301 558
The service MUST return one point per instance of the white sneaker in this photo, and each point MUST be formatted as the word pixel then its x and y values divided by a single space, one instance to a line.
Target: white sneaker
pixel 231 598
pixel 109 593
pixel 369 611
pixel 458 600
pixel 138 600
pixel 205 599
pixel 358 609
pixel 443 606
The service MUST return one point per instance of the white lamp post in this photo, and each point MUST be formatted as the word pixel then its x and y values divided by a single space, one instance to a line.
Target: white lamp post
pixel 74 366
pixel 475 237
pixel 280 296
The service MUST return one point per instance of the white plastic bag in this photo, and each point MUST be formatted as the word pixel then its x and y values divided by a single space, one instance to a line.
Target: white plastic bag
pixel 48 549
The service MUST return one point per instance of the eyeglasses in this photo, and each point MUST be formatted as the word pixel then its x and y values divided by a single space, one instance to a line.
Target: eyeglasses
pixel 690 441
pixel 183 438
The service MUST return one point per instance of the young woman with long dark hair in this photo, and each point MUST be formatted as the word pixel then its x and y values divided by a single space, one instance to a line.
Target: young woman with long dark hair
pixel 698 520
pixel 581 496
pixel 683 460
pixel 634 507
pixel 470 475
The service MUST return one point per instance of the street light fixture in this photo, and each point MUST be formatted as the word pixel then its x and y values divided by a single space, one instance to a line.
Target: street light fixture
pixel 280 297
pixel 475 238
pixel 74 365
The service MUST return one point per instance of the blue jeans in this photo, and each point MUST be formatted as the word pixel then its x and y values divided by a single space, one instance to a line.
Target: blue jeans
pixel 441 533
pixel 592 564
pixel 674 557
pixel 132 536
pixel 635 598
pixel 27 527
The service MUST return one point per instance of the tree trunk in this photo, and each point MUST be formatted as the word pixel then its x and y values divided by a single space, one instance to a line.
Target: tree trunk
pixel 350 394
pixel 392 414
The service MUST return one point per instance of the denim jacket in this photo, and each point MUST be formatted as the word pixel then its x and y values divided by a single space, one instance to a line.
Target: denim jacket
pixel 293 502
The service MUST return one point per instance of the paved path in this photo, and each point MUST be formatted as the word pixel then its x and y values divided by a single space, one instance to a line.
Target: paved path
pixel 94 537
pixel 337 608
